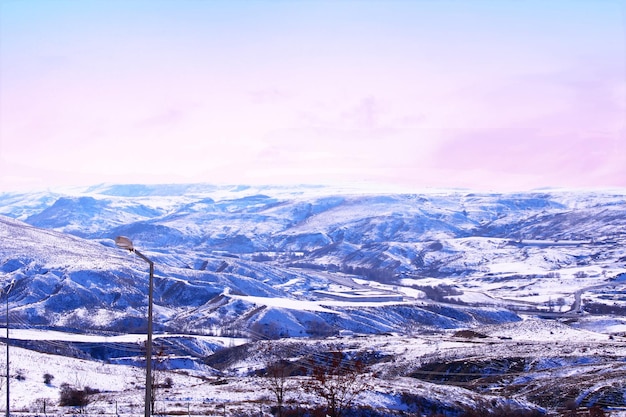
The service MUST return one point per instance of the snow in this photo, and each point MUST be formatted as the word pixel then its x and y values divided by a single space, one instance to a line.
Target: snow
pixel 52 335
pixel 285 303
pixel 514 267
pixel 122 388
pixel 544 252
pixel 124 383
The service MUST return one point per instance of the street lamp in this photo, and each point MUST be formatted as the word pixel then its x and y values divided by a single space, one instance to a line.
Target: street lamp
pixel 125 243
pixel 6 291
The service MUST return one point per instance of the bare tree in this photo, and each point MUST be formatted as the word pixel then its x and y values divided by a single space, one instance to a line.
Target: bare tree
pixel 160 379
pixel 276 374
pixel 338 378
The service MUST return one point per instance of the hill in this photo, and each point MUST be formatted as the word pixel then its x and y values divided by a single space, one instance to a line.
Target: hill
pixel 263 263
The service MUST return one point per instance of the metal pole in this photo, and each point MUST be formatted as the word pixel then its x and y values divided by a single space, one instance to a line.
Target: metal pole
pixel 8 290
pixel 148 399
pixel 126 243
pixel 7 354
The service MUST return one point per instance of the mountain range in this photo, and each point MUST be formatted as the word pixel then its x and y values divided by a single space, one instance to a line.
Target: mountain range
pixel 495 300
pixel 273 262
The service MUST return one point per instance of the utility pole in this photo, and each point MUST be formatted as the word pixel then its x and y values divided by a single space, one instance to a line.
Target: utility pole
pixel 125 243
pixel 6 292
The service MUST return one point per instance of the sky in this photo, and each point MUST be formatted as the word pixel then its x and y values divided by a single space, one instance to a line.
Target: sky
pixel 490 95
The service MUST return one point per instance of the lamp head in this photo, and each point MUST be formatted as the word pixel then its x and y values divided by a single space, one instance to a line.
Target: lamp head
pixel 124 243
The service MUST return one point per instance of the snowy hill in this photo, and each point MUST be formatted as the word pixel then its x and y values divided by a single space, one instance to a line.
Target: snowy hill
pixel 299 244
pixel 272 262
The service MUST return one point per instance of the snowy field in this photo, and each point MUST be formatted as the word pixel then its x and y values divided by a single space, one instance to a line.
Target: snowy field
pixel 575 355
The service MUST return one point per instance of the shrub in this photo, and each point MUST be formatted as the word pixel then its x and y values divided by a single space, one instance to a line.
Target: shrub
pixel 71 396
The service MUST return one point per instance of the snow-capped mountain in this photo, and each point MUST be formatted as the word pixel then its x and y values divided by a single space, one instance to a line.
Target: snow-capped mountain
pixel 224 255
pixel 300 263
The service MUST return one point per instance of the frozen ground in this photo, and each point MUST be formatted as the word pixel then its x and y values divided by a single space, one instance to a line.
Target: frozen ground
pixel 555 354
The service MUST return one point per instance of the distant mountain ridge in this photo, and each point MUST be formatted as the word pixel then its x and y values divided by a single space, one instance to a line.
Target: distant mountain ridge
pixel 220 251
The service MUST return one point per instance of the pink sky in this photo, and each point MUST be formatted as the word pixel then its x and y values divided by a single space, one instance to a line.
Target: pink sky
pixel 498 95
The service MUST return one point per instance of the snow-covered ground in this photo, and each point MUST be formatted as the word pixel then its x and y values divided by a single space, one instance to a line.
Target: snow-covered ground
pixel 553 348
pixel 453 280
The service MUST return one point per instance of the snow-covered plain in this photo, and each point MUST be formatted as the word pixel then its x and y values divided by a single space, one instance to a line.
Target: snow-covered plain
pixel 555 354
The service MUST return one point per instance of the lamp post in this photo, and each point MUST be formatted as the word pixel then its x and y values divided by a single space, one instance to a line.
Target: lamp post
pixel 125 243
pixel 6 292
